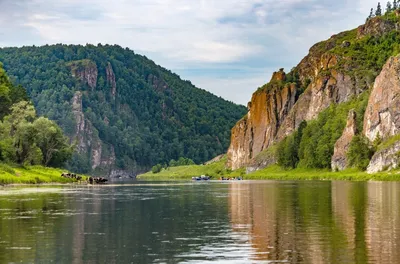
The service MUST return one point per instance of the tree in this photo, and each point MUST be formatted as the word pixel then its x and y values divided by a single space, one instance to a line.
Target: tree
pixel 359 153
pixel 156 168
pixel 395 4
pixel 389 7
pixel 371 14
pixel 378 11
pixel 51 141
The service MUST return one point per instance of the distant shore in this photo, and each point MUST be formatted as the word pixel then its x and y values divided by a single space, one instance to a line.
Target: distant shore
pixel 217 170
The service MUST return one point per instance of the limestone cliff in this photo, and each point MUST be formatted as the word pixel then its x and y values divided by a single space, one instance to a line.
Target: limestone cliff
pixel 257 131
pixel 87 140
pixel 274 114
pixel 111 79
pixel 385 159
pixel 339 161
pixel 85 71
pixel 332 73
pixel 382 115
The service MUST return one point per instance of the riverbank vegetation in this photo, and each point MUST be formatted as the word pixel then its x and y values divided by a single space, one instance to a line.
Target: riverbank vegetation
pixel 31 175
pixel 28 143
pixel 274 172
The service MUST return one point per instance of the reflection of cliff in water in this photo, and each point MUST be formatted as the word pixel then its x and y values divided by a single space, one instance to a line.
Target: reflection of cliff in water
pixel 306 222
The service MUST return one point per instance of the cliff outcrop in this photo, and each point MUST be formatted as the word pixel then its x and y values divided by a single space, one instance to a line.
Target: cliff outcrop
pixel 88 143
pixel 86 71
pixel 335 71
pixel 382 116
pixel 339 161
pixel 256 131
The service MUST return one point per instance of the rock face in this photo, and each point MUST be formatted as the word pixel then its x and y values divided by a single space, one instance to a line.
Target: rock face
pixel 382 115
pixel 111 79
pixel 85 71
pixel 257 131
pixel 320 94
pixel 275 114
pixel 339 161
pixel 376 26
pixel 87 140
pixel 386 159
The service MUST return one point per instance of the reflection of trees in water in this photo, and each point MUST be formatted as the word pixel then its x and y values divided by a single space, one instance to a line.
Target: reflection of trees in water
pixel 319 222
pixel 27 223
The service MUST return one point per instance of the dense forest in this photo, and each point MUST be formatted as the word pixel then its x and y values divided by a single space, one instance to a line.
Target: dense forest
pixel 136 114
pixel 25 138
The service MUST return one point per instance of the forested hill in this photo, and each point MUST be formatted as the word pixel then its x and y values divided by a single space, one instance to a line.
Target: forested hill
pixel 123 112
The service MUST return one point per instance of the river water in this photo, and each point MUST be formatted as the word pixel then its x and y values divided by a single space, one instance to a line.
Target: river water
pixel 202 222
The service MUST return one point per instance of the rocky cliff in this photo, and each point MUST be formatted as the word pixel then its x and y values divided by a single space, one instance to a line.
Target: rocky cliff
pixel 257 131
pixel 85 71
pixel 335 71
pixel 382 116
pixel 339 161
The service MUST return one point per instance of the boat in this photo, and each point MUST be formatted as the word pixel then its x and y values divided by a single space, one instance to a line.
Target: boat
pixel 201 178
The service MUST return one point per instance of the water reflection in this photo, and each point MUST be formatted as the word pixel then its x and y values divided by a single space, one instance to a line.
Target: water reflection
pixel 319 222
pixel 235 222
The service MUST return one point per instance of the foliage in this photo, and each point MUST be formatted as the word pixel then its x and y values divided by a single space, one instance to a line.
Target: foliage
pixel 360 152
pixel 154 117
pixel 156 168
pixel 24 138
pixel 216 170
pixel 181 162
pixel 312 145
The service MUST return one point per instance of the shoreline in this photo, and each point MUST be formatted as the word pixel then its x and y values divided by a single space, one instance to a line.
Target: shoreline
pixel 270 173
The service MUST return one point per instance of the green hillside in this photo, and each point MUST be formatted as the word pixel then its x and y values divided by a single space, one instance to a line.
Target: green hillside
pixel 137 114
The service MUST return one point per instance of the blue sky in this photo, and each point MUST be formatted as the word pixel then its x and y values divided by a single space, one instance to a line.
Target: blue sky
pixel 228 47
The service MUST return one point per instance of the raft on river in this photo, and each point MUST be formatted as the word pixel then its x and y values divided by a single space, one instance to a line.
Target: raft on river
pixel 201 178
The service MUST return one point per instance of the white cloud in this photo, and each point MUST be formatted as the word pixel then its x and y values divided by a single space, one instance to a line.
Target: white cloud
pixel 182 34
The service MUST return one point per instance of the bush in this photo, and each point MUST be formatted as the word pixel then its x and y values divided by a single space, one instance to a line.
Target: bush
pixel 156 169
pixel 360 153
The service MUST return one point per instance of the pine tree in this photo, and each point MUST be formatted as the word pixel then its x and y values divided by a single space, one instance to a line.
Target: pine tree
pixel 378 11
pixel 395 4
pixel 371 14
pixel 389 7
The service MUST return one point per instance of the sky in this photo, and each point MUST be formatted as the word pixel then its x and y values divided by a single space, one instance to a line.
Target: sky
pixel 228 47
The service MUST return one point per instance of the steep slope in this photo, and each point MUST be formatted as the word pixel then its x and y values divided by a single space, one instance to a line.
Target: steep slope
pixel 335 71
pixel 123 112
pixel 382 117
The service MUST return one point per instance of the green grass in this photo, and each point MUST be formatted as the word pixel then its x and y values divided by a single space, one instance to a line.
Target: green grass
pixel 216 170
pixel 31 175
pixel 271 173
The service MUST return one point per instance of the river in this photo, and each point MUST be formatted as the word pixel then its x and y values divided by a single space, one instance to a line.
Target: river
pixel 202 222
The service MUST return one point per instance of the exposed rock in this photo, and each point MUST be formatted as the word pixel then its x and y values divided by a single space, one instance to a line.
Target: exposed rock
pixel 258 129
pixel 279 75
pixel 85 71
pixel 339 161
pixel 376 26
pixel 386 159
pixel 86 137
pixel 261 161
pixel 111 79
pixel 321 93
pixel 80 121
pixel 382 115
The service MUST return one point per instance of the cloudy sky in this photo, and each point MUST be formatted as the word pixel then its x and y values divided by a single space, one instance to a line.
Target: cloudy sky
pixel 229 47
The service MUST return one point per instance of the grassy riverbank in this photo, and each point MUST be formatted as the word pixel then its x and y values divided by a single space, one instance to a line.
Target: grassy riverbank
pixel 31 175
pixel 272 173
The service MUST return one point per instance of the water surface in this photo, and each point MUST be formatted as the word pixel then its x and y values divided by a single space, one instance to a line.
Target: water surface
pixel 210 222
